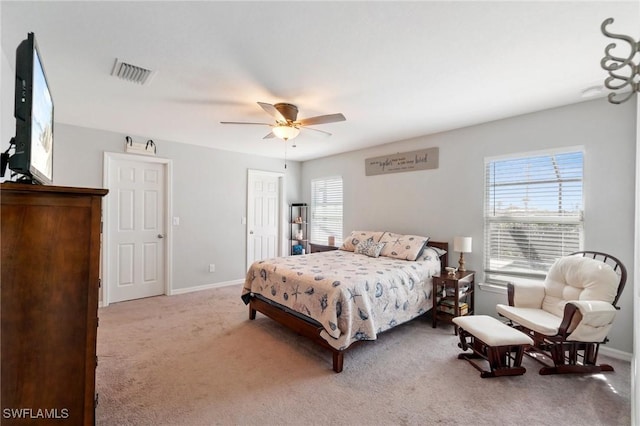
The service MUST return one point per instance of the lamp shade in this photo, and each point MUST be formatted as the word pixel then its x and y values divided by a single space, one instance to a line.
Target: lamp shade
pixel 462 244
pixel 285 131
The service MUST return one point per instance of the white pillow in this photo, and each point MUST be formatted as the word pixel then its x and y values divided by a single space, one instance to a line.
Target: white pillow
pixel 405 247
pixel 431 253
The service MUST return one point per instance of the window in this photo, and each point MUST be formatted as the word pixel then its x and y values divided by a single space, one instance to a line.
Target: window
pixel 326 210
pixel 533 213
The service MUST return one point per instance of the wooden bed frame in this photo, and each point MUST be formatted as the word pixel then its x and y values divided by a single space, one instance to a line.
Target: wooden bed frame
pixel 308 327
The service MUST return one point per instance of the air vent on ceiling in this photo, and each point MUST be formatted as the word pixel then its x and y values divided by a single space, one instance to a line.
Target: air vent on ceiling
pixel 132 73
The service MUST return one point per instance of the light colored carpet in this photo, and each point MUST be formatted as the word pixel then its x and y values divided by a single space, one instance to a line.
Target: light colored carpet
pixel 196 359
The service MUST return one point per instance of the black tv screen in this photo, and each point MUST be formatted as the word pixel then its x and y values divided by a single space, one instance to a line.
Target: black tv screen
pixel 33 156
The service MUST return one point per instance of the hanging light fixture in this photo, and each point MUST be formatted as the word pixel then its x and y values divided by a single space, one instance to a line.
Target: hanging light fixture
pixel 624 73
pixel 285 131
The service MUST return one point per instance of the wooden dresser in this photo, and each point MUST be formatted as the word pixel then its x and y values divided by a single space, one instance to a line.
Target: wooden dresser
pixel 50 238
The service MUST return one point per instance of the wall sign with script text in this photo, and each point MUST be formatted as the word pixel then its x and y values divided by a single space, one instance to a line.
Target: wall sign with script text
pixel 423 159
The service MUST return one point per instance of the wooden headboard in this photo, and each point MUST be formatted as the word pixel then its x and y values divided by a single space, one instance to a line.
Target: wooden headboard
pixel 444 246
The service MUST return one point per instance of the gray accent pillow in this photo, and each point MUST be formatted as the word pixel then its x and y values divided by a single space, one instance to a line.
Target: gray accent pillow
pixel 369 248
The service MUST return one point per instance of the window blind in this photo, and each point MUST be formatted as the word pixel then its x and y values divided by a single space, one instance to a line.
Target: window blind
pixel 533 213
pixel 326 209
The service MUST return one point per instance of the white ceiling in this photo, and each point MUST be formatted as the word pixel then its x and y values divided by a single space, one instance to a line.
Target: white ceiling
pixel 396 70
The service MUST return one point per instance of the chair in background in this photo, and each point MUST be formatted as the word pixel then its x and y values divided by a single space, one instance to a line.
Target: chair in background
pixel 570 314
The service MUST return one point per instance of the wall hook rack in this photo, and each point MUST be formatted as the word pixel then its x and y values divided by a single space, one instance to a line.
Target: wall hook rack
pixel 148 148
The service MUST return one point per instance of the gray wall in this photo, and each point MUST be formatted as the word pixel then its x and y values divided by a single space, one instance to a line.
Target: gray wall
pixel 209 195
pixel 448 201
pixel 7 122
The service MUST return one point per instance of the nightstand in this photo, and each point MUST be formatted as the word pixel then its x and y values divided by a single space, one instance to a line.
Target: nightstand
pixel 316 248
pixel 453 296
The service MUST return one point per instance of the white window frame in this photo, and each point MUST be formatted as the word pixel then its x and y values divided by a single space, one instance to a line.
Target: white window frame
pixel 573 220
pixel 318 236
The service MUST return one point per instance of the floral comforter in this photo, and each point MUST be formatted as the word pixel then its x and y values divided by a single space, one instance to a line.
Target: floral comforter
pixel 353 297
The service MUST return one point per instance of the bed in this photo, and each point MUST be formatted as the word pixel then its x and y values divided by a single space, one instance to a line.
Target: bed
pixel 343 297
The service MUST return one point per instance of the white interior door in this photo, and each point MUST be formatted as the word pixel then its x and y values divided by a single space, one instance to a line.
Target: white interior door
pixel 263 215
pixel 136 210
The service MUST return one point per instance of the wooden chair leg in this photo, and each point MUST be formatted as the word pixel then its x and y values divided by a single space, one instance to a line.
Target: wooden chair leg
pixel 494 359
pixel 462 334
pixel 338 361
pixel 591 353
pixel 557 354
pixel 518 356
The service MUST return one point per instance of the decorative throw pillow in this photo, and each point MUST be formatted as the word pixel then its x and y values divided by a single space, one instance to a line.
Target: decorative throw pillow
pixel 431 253
pixel 355 237
pixel 369 248
pixel 406 247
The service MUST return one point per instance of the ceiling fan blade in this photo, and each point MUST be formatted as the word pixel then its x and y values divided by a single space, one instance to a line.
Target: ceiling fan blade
pixel 269 136
pixel 243 122
pixel 327 134
pixel 272 111
pixel 321 119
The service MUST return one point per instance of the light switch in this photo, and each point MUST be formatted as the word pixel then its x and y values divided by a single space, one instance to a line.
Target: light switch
pixel 176 221
pixel 243 220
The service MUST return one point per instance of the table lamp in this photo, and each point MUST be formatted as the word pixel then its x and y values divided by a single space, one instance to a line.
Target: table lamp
pixel 462 245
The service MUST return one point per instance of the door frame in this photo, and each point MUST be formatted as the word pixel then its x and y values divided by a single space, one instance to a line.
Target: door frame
pixel 108 224
pixel 281 207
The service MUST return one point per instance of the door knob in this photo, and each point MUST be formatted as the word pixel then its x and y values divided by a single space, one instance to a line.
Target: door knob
pixel 251 232
pixel 160 236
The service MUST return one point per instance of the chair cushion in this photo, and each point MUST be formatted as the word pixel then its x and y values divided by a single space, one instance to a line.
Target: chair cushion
pixel 578 278
pixel 597 318
pixel 528 295
pixel 535 319
pixel 491 331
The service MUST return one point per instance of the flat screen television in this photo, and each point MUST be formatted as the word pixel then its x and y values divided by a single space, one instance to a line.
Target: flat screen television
pixel 32 159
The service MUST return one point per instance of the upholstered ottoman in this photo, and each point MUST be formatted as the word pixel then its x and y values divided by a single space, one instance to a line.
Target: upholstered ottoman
pixel 493 341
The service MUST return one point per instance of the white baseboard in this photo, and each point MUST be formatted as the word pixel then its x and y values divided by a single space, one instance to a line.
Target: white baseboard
pixel 177 291
pixel 615 353
pixel 195 288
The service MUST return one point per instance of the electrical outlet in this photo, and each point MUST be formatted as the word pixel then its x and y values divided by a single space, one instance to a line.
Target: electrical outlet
pixel 212 267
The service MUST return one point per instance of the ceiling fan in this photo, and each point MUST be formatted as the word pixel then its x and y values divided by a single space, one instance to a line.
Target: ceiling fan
pixel 287 125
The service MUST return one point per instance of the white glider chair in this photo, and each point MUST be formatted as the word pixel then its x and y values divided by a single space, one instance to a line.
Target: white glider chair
pixel 570 314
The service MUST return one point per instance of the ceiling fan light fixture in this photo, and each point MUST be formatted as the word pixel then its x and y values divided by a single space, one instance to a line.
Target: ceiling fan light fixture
pixel 287 125
pixel 285 131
